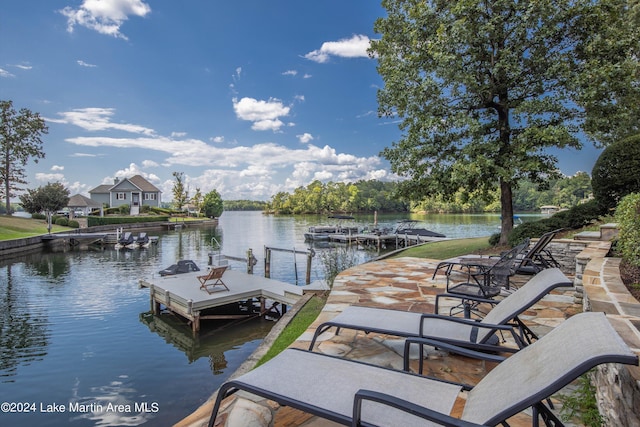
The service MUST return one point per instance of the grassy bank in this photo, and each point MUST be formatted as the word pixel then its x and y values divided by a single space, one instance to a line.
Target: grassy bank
pixel 12 227
pixel 447 248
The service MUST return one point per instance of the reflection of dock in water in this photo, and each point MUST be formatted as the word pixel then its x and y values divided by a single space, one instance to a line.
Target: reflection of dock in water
pixel 211 344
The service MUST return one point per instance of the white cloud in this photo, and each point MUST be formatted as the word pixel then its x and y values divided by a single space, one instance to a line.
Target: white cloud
pixel 132 170
pixel 264 114
pixel 104 16
pixel 98 119
pixel 83 155
pixel 217 139
pixel 178 134
pixel 307 76
pixel 255 171
pixel 85 64
pixel 290 73
pixel 355 47
pixel 50 177
pixel 23 66
pixel 5 73
pixel 56 168
pixel 305 137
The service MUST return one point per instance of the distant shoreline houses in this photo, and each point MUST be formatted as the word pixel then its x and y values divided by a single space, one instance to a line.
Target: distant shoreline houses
pixel 134 192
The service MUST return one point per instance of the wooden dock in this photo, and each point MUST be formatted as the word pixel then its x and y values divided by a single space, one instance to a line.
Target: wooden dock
pixel 182 295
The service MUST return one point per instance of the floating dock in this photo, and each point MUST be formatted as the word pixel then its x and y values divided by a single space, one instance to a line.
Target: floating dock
pixel 182 295
pixel 383 240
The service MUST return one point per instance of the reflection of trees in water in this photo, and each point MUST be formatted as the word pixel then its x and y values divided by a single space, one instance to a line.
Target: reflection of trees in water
pixel 23 327
pixel 54 266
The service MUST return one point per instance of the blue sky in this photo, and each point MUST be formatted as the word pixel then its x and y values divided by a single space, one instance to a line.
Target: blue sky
pixel 248 97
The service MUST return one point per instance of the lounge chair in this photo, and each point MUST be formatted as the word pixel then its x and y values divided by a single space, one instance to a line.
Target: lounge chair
pixel 354 393
pixel 538 257
pixel 209 281
pixel 462 332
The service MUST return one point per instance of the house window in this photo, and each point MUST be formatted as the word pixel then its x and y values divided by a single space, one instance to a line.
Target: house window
pixel 149 196
pixel 121 196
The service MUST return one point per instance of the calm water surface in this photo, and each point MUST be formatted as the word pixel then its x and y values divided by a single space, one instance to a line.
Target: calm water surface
pixel 77 334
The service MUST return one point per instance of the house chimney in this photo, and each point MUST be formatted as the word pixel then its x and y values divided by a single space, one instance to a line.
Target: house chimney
pixel 116 180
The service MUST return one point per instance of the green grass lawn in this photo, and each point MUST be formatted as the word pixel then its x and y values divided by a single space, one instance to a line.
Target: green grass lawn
pixel 447 248
pixel 12 227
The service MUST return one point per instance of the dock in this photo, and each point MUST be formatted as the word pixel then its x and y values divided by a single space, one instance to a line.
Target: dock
pixel 181 294
pixel 382 240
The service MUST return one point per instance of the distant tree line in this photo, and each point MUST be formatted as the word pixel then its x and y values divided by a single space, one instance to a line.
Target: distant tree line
pixel 244 205
pixel 372 195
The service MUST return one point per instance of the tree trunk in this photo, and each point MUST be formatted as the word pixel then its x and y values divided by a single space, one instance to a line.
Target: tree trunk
pixel 506 210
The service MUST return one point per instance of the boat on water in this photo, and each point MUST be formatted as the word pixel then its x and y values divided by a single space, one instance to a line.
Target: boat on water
pixel 126 241
pixel 324 232
pixel 129 241
pixel 409 227
pixel 182 266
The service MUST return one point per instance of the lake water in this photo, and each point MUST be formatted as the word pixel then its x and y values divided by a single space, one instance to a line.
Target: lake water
pixel 77 333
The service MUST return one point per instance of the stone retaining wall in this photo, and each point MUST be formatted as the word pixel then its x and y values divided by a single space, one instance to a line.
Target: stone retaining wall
pixel 618 386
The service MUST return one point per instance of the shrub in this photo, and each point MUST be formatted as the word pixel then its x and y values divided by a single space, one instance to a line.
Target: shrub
pixel 73 223
pixel 336 260
pixel 628 219
pixel 62 221
pixel 38 216
pixel 124 209
pixel 576 217
pixel 615 173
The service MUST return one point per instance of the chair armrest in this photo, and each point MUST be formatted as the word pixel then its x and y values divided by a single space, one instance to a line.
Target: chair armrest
pixel 403 405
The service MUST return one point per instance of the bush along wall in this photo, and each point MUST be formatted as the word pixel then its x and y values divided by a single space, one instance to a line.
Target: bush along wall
pixel 574 218
pixel 628 219
pixel 93 221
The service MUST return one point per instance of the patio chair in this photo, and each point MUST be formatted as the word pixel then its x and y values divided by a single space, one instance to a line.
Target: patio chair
pixel 462 332
pixel 358 394
pixel 485 279
pixel 538 257
pixel 209 281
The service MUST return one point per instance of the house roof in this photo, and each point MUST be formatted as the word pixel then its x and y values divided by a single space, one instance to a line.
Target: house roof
pixel 101 189
pixel 136 180
pixel 143 184
pixel 79 201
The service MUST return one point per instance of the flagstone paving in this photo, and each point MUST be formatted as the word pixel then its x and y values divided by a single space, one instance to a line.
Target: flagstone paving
pixel 402 284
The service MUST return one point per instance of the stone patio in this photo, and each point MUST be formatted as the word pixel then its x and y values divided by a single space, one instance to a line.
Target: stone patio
pixel 403 284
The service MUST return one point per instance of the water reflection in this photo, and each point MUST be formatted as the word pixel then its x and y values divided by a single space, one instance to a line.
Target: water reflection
pixel 24 333
pixel 213 342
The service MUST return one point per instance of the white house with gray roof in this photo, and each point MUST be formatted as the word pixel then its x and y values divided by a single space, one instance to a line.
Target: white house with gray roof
pixel 135 192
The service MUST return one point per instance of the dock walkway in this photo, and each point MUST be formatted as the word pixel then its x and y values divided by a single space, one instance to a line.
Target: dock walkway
pixel 182 295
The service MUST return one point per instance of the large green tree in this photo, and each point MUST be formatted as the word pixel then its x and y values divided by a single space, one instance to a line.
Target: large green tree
pixel 482 92
pixel 20 140
pixel 48 199
pixel 608 81
pixel 180 194
pixel 212 205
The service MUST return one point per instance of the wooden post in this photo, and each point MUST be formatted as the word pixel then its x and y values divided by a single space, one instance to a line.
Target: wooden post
pixel 267 262
pixel 308 276
pixel 250 261
pixel 195 324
